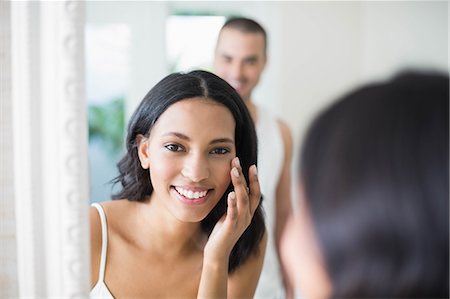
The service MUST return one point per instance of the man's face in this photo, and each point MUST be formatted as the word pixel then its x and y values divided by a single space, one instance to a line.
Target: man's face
pixel 240 59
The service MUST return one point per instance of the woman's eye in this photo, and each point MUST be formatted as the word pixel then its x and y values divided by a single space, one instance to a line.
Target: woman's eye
pixel 174 147
pixel 220 151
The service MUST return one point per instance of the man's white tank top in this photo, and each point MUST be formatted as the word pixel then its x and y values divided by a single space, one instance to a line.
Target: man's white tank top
pixel 270 163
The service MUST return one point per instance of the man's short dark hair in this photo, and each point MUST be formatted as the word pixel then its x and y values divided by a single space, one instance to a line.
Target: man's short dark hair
pixel 246 25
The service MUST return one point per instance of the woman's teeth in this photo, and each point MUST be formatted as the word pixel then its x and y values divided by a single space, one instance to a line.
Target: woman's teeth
pixel 190 194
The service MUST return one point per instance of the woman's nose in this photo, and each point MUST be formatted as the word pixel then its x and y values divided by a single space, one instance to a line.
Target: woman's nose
pixel 195 168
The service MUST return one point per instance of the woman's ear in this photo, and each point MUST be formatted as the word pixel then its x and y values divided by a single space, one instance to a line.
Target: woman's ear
pixel 142 149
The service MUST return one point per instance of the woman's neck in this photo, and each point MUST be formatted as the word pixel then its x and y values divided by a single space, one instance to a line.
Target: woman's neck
pixel 159 230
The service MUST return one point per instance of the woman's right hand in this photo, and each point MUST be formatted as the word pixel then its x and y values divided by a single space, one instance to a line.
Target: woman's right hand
pixel 227 231
pixel 242 204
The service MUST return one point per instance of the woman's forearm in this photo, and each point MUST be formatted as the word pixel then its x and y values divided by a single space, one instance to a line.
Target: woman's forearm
pixel 214 279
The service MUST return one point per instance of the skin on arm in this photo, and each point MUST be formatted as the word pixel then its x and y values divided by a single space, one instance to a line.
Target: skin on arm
pixel 96 244
pixel 227 231
pixel 283 197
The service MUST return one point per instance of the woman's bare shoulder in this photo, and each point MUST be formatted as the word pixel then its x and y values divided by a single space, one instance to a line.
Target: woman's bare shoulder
pixel 117 210
pixel 113 209
pixel 114 204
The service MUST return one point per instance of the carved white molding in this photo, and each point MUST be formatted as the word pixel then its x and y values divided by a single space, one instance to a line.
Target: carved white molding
pixel 65 147
pixel 50 146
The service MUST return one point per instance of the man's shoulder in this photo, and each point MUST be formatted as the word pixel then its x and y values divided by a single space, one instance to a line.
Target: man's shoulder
pixel 284 127
pixel 285 133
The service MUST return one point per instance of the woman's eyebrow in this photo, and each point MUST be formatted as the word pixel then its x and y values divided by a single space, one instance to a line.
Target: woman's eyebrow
pixel 176 134
pixel 184 137
pixel 222 140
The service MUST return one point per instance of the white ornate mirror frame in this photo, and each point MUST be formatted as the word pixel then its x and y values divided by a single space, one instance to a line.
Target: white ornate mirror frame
pixel 44 151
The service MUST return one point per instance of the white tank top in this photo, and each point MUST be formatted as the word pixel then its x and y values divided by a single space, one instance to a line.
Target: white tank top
pixel 100 290
pixel 270 163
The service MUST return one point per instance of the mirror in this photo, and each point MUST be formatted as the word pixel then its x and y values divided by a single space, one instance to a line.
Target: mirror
pixel 316 50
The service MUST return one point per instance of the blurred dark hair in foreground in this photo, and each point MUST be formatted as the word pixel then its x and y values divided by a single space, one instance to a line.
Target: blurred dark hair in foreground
pixel 375 171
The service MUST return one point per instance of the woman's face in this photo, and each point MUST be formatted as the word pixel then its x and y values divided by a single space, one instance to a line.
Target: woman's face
pixel 189 153
pixel 301 257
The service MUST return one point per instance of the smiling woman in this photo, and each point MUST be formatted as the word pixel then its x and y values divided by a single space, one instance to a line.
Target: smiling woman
pixel 194 138
pixel 184 207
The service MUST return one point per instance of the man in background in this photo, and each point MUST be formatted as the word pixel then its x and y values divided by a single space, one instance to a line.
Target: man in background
pixel 240 58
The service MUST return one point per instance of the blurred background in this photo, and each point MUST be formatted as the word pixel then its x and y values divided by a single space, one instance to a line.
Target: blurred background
pixel 316 52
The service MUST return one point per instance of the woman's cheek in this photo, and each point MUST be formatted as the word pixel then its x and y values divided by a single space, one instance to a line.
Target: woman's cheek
pixel 223 174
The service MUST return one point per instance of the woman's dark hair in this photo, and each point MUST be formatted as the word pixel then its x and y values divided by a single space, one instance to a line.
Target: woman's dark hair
pixel 135 180
pixel 374 168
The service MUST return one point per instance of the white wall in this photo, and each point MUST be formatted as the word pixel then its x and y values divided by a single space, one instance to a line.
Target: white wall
pixel 329 47
pixel 322 55
pixel 399 34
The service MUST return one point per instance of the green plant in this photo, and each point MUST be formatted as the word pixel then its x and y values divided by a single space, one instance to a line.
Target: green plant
pixel 107 122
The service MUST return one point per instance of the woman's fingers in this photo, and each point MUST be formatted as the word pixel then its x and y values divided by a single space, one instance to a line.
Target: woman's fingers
pixel 255 191
pixel 240 187
pixel 242 203
pixel 232 212
pixel 247 198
